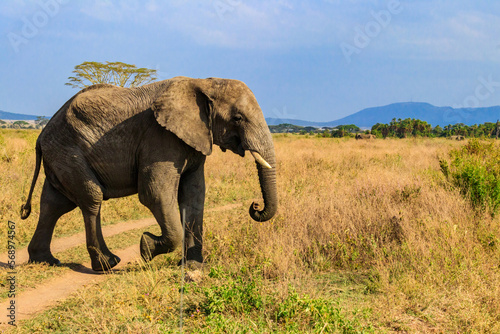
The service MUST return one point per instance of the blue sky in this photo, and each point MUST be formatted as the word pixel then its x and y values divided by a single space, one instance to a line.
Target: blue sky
pixel 313 60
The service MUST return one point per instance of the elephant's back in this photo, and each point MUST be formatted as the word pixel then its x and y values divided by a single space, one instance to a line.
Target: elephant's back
pixel 95 111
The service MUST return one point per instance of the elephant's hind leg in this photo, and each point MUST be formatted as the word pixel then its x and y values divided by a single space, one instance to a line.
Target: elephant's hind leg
pixel 88 194
pixel 101 257
pixel 53 205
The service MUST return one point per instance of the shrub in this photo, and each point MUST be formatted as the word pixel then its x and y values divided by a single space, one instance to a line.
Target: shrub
pixel 321 314
pixel 235 295
pixel 475 170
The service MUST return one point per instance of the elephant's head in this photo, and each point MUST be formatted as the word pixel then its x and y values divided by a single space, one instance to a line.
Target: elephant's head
pixel 203 112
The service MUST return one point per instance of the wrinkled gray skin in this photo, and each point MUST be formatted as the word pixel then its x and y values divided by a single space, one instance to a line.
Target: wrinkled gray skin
pixel 108 142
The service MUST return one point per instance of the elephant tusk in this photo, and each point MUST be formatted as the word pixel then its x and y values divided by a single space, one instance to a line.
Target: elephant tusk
pixel 259 159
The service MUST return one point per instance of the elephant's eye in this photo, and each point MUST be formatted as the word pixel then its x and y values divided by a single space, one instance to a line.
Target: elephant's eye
pixel 236 118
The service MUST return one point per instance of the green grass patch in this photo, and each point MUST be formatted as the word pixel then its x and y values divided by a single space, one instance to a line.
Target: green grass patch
pixel 475 170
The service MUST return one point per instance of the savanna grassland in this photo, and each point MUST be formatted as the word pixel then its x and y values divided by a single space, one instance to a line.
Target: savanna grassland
pixel 370 236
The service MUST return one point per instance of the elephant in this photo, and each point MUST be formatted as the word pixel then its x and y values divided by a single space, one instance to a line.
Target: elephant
pixel 364 136
pixel 109 142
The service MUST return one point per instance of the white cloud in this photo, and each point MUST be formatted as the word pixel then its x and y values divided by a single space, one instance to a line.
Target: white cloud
pixel 103 10
pixel 459 35
pixel 430 30
pixel 224 23
pixel 424 29
pixel 16 9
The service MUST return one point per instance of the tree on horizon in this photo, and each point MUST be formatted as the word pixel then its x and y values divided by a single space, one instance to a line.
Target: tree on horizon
pixel 116 73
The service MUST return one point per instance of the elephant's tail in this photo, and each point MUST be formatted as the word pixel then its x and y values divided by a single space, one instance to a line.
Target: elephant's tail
pixel 26 208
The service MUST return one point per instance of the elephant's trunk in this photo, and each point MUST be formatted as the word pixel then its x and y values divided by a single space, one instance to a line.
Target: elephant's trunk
pixel 267 179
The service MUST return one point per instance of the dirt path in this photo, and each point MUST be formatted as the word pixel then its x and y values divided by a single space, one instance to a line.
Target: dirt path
pixel 35 300
pixel 61 244
pixel 44 296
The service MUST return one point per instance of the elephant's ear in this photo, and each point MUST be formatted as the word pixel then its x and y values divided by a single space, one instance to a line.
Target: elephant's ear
pixel 184 109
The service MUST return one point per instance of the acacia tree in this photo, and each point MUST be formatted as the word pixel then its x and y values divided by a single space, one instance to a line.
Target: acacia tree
pixel 41 121
pixel 116 73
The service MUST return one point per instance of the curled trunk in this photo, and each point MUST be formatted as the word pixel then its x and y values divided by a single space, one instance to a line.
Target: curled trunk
pixel 267 179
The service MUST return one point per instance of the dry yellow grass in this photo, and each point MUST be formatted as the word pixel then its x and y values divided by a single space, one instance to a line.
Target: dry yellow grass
pixel 379 212
pixel 379 208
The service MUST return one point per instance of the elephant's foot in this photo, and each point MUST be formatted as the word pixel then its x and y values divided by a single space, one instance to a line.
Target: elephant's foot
pixel 192 264
pixel 49 259
pixel 152 245
pixel 194 276
pixel 104 262
pixel 193 259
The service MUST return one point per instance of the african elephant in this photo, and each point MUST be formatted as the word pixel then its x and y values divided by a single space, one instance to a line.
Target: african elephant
pixel 364 136
pixel 108 142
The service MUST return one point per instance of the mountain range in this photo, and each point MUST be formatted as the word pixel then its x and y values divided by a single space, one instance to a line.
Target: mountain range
pixel 433 115
pixel 8 116
pixel 366 118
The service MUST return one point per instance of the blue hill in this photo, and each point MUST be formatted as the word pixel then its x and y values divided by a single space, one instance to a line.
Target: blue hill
pixel 4 115
pixel 424 111
pixel 370 116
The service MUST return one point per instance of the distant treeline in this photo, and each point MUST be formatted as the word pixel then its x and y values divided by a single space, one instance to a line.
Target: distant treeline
pixel 397 128
pixel 338 131
pixel 40 122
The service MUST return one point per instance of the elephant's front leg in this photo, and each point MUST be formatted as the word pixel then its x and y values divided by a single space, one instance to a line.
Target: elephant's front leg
pixel 158 190
pixel 191 204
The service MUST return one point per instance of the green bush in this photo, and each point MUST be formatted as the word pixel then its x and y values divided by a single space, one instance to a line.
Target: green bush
pixel 322 315
pixel 237 295
pixel 475 170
